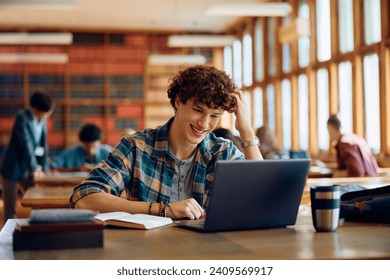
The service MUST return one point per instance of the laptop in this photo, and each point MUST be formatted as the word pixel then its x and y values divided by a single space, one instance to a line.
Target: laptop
pixel 253 194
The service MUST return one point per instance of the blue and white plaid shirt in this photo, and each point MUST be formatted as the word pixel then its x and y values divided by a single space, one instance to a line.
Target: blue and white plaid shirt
pixel 142 165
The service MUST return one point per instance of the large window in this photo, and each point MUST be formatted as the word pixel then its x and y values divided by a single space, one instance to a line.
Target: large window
pixel 286 113
pixel 271 106
pixel 259 50
pixel 258 107
pixel 247 56
pixel 303 41
pixel 286 65
pixel 372 21
pixel 323 29
pixel 228 60
pixel 322 108
pixel 345 26
pixel 237 63
pixel 271 46
pixel 345 96
pixel 303 111
pixel 371 101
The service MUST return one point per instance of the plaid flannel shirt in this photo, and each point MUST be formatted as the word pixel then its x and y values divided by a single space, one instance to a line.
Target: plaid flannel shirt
pixel 142 165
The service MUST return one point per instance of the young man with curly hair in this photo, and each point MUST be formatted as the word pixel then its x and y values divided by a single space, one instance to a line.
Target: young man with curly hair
pixel 168 171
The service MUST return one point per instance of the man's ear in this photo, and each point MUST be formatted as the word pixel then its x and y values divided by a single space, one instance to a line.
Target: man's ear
pixel 177 102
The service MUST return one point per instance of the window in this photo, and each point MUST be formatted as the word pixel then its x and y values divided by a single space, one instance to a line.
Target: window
pixel 345 96
pixel 303 111
pixel 371 101
pixel 286 65
pixel 323 29
pixel 322 108
pixel 237 65
pixel 258 107
pixel 259 51
pixel 286 113
pixel 271 106
pixel 372 21
pixel 345 26
pixel 228 60
pixel 271 46
pixel 247 56
pixel 303 42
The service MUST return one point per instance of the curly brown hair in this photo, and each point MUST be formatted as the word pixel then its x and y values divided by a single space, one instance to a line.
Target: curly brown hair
pixel 203 84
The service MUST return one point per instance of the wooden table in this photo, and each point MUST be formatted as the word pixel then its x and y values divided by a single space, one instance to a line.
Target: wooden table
pixel 60 178
pixel 368 182
pixel 350 241
pixel 47 197
pixel 320 172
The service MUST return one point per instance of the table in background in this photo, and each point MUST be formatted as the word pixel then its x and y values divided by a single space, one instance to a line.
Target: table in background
pixel 368 182
pixel 60 178
pixel 47 197
pixel 350 241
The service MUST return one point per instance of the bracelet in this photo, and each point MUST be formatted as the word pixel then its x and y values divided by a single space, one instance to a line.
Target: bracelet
pixel 164 210
pixel 253 142
pixel 150 207
pixel 160 212
pixel 173 214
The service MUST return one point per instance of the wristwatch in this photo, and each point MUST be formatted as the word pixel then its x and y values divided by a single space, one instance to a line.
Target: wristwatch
pixel 253 142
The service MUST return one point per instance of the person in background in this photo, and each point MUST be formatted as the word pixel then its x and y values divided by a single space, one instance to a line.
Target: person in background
pixel 228 134
pixel 354 156
pixel 84 156
pixel 26 154
pixel 268 148
pixel 169 170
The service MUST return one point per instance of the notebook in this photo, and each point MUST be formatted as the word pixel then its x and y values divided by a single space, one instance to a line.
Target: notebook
pixel 253 194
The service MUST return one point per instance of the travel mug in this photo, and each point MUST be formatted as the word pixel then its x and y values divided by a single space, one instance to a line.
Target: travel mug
pixel 325 207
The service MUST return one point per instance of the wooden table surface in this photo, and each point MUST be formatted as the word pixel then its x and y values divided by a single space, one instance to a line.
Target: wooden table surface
pixel 350 241
pixel 60 178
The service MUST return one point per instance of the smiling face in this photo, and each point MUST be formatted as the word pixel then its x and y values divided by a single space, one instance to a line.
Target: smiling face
pixel 195 120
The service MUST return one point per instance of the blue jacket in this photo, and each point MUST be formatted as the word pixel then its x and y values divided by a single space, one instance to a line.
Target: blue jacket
pixel 76 156
pixel 19 159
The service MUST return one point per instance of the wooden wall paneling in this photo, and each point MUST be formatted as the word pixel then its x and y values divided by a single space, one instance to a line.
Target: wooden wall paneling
pixel 333 88
pixel 385 105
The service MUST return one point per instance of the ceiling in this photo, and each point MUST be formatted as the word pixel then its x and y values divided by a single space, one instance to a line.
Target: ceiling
pixel 119 15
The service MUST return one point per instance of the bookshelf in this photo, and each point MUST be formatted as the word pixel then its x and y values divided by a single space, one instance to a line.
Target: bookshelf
pixel 158 110
pixel 106 82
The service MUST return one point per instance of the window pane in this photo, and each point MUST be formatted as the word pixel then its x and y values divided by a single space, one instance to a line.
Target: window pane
pixel 303 111
pixel 303 42
pixel 258 107
pixel 371 99
pixel 372 21
pixel 345 96
pixel 323 29
pixel 345 26
pixel 286 58
pixel 237 65
pixel 286 67
pixel 322 108
pixel 228 60
pixel 259 51
pixel 286 113
pixel 271 106
pixel 271 46
pixel 247 48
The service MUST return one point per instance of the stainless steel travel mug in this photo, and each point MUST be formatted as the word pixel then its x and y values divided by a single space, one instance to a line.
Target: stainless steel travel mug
pixel 325 207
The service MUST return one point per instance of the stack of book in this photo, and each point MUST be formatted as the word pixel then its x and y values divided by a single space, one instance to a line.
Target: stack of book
pixel 58 229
